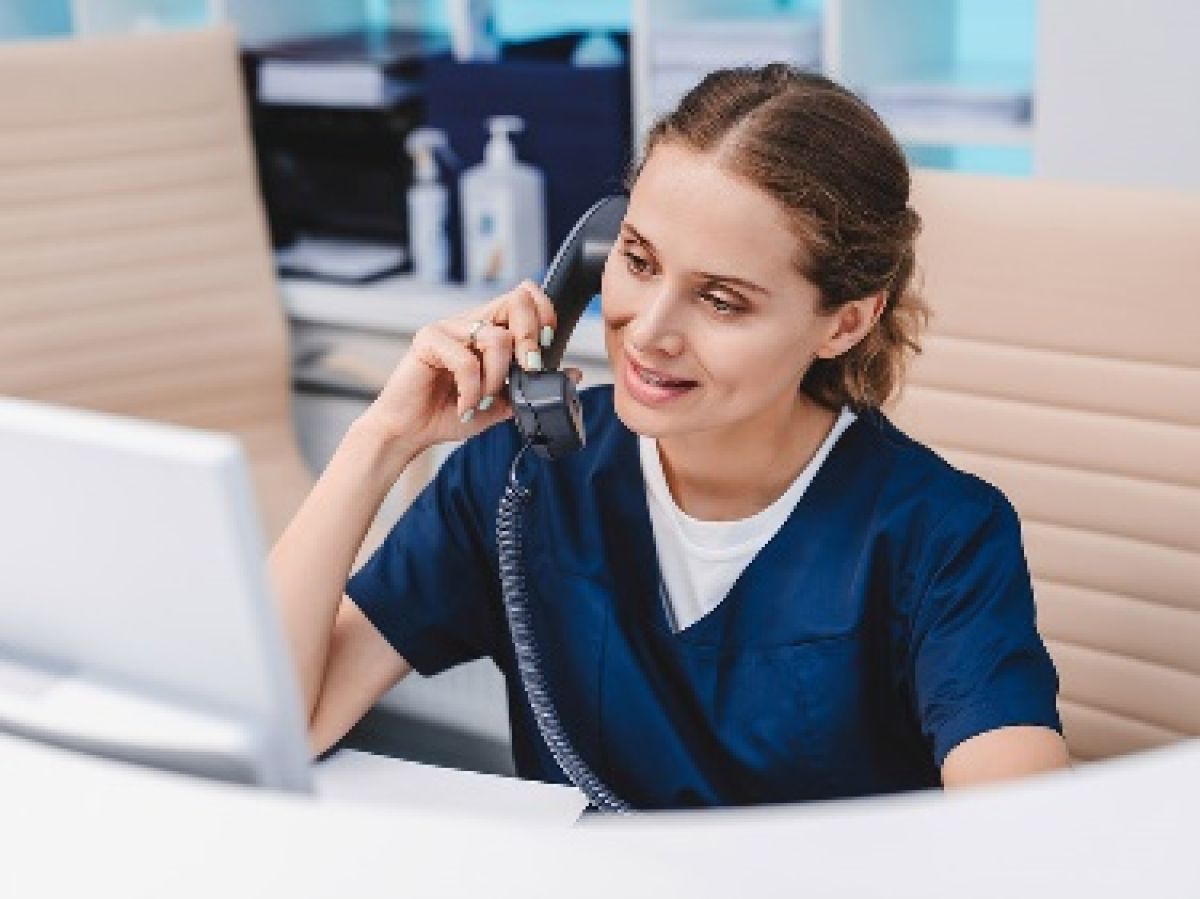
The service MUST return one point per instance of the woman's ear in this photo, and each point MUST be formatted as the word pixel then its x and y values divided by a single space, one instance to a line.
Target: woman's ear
pixel 851 323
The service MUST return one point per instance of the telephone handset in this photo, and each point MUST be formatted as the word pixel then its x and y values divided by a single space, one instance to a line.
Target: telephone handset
pixel 547 413
pixel 545 407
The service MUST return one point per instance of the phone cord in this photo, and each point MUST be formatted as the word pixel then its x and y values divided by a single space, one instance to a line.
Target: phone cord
pixel 509 526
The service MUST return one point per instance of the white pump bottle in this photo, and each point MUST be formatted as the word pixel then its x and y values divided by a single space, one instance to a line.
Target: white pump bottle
pixel 428 208
pixel 503 212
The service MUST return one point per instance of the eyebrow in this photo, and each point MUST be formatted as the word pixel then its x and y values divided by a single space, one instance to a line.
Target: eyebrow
pixel 712 276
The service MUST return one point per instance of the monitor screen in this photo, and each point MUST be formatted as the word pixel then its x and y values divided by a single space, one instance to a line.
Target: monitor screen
pixel 137 622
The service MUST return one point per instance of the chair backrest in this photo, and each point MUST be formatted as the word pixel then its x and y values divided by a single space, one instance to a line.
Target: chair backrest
pixel 1063 365
pixel 135 268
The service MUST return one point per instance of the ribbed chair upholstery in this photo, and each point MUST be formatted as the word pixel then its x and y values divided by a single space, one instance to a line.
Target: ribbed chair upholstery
pixel 135 269
pixel 1063 366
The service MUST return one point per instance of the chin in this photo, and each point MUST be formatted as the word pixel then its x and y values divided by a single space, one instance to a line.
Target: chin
pixel 642 421
pixel 627 411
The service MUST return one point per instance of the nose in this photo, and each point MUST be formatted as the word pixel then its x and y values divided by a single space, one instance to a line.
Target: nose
pixel 656 326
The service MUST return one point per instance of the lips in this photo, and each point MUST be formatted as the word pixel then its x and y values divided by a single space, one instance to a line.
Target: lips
pixel 657 377
pixel 650 388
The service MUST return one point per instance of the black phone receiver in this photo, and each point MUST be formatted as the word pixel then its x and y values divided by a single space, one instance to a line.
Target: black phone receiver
pixel 545 407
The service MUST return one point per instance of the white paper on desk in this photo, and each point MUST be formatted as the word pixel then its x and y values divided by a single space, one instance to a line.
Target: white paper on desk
pixel 363 777
pixel 340 258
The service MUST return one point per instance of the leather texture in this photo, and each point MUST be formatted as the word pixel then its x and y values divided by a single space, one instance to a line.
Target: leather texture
pixel 1062 364
pixel 135 268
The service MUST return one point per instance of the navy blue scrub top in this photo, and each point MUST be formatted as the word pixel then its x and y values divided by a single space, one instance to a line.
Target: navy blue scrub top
pixel 890 618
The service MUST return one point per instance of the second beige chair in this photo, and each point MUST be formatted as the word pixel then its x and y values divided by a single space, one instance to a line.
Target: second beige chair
pixel 1063 365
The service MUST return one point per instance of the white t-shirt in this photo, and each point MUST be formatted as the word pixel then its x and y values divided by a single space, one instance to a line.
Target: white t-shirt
pixel 700 560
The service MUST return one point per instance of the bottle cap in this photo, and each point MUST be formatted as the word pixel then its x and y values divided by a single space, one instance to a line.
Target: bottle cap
pixel 421 144
pixel 500 149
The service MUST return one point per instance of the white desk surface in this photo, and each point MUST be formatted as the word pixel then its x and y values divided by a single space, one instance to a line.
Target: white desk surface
pixel 392 783
pixel 74 826
pixel 401 305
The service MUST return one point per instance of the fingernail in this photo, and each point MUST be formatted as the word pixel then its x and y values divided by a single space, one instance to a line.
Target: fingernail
pixel 547 337
pixel 466 416
pixel 486 403
pixel 533 361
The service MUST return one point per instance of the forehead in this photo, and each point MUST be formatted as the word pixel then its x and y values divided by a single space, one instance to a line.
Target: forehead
pixel 700 217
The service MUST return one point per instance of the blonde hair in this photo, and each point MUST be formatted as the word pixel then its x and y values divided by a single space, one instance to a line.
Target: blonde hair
pixel 829 161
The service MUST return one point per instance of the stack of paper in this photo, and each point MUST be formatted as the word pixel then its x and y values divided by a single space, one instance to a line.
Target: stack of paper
pixel 319 83
pixel 339 259
pixel 364 68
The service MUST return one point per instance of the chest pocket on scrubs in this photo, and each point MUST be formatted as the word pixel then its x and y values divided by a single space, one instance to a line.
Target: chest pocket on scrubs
pixel 686 723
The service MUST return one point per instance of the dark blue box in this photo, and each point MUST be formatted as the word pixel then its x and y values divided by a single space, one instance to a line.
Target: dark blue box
pixel 577 123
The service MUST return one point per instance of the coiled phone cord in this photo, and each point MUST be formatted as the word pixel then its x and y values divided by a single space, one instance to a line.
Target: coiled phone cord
pixel 509 521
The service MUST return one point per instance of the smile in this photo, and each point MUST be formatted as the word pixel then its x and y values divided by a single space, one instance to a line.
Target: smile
pixel 652 388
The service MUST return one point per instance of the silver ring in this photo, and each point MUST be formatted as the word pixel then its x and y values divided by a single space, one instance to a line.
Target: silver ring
pixel 475 326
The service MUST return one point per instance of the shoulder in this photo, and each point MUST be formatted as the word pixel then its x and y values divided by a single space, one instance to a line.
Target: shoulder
pixel 471 477
pixel 918 475
pixel 929 509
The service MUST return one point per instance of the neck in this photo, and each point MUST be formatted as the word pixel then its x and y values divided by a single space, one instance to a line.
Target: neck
pixel 732 473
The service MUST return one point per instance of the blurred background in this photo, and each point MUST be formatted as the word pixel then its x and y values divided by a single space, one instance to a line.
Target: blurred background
pixel 1057 87
pixel 367 120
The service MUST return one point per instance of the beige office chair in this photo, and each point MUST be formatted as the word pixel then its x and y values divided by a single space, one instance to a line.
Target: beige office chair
pixel 135 270
pixel 1063 365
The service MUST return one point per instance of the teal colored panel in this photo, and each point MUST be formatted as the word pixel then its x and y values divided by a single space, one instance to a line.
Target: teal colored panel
pixel 1012 161
pixel 926 157
pixel 34 18
pixel 1015 161
pixel 996 42
pixel 179 13
pixel 522 19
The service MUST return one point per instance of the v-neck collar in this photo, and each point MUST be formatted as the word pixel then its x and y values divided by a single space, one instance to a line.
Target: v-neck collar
pixel 720 541
pixel 633 557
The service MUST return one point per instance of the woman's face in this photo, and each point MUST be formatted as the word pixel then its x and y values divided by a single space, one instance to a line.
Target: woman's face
pixel 708 323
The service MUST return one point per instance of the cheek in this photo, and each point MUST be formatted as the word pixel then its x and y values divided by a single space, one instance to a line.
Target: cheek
pixel 618 297
pixel 748 360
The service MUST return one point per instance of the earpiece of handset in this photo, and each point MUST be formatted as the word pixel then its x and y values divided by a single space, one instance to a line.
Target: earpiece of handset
pixel 545 406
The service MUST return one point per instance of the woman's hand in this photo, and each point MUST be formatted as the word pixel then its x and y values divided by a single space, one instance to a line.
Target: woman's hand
pixel 450 383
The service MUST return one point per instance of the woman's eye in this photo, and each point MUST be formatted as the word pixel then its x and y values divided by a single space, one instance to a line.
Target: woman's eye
pixel 636 263
pixel 720 306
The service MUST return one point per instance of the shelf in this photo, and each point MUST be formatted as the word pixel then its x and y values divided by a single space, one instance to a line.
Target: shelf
pixel 967 135
pixel 402 305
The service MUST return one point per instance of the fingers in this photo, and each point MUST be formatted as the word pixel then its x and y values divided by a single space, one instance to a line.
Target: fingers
pixel 437 348
pixel 519 324
pixel 495 347
pixel 530 317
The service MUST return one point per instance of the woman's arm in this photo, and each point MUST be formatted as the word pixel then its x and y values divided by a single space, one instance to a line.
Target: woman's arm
pixel 311 561
pixel 436 394
pixel 1004 753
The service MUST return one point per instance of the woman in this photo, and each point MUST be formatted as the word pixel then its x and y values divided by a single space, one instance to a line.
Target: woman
pixel 749 586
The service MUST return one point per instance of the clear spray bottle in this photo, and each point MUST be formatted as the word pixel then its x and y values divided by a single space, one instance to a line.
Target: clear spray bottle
pixel 428 207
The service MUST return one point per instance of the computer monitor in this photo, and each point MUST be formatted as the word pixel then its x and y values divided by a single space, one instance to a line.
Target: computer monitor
pixel 136 620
